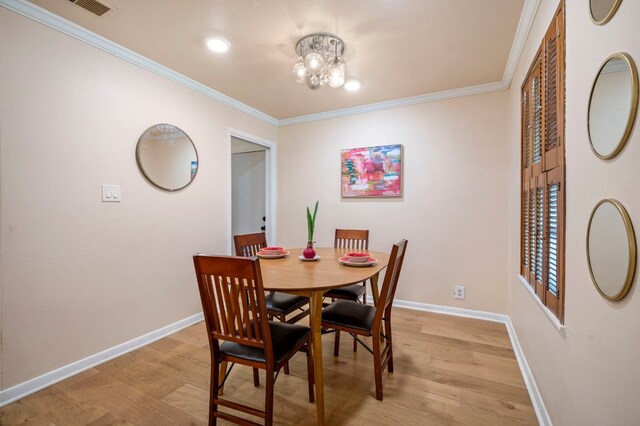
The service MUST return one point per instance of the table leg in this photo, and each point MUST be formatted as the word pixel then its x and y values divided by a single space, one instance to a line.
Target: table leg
pixel 374 288
pixel 315 320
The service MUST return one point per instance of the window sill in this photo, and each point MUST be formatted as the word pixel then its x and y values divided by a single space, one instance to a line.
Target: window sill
pixel 560 327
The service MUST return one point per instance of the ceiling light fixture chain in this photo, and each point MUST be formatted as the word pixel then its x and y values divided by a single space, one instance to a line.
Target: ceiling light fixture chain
pixel 320 61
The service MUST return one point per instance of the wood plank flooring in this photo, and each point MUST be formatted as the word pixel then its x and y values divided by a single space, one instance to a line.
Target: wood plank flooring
pixel 448 371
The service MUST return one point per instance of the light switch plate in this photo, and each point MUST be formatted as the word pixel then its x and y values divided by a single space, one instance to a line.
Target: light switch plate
pixel 111 193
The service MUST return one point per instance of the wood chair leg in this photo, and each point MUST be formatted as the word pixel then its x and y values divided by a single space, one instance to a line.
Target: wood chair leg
pixel 377 366
pixel 364 295
pixel 387 327
pixel 213 393
pixel 336 343
pixel 364 302
pixel 268 403
pixel 256 378
pixel 282 318
pixel 310 372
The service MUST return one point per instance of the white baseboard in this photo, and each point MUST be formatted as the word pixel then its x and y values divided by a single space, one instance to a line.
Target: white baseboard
pixel 534 394
pixel 37 383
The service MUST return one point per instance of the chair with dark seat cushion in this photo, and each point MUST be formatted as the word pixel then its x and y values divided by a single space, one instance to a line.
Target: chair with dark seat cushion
pixel 353 240
pixel 279 304
pixel 239 331
pixel 366 320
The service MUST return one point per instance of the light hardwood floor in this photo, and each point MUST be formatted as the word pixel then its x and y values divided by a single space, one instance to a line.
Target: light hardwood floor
pixel 448 371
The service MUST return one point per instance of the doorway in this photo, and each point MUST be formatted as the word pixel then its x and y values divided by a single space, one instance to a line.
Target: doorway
pixel 252 189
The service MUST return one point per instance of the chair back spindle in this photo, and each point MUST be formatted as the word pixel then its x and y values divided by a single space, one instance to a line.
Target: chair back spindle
pixel 352 239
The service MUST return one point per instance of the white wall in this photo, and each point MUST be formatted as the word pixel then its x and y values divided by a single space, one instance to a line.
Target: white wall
pixel 589 374
pixel 452 211
pixel 79 276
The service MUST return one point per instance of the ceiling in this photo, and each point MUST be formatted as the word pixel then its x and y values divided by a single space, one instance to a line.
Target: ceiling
pixel 398 48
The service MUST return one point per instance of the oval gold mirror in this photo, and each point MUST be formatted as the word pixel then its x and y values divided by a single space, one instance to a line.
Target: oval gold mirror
pixel 603 10
pixel 167 157
pixel 611 249
pixel 613 105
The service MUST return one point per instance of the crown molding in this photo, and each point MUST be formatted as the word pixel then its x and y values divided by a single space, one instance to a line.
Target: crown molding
pixel 47 18
pixel 38 14
pixel 522 32
pixel 395 103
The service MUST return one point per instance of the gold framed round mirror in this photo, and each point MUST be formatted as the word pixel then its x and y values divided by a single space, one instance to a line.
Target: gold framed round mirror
pixel 603 10
pixel 167 157
pixel 611 249
pixel 612 105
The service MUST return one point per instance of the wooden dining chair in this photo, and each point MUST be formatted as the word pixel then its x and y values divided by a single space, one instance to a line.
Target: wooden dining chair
pixel 239 332
pixel 353 240
pixel 279 304
pixel 366 320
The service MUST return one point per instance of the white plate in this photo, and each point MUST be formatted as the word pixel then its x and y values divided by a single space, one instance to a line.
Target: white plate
pixel 371 261
pixel 272 256
pixel 309 260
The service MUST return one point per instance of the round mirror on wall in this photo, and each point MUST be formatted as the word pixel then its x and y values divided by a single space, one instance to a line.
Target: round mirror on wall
pixel 603 10
pixel 613 105
pixel 167 157
pixel 611 249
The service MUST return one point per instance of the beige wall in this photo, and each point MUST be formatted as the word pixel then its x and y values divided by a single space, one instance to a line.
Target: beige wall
pixel 80 276
pixel 588 375
pixel 452 211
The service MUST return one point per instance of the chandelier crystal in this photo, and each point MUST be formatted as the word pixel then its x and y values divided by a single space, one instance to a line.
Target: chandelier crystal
pixel 320 61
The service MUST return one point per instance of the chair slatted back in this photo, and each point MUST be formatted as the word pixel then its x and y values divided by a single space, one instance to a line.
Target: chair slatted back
pixel 248 245
pixel 233 302
pixel 391 277
pixel 352 239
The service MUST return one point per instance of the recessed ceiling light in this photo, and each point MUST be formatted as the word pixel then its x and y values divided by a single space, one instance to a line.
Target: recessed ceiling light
pixel 352 85
pixel 218 44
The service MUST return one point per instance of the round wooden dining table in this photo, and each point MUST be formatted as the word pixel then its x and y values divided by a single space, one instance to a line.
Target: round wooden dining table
pixel 312 278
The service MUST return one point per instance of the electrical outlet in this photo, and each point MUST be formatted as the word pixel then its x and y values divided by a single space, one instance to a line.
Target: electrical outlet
pixel 458 292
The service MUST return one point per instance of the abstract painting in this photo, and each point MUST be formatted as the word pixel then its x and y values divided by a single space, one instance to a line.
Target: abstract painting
pixel 374 171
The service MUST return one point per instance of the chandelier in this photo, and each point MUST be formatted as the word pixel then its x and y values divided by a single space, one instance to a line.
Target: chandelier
pixel 320 61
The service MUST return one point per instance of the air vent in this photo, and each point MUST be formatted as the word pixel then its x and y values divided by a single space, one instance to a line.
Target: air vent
pixel 96 7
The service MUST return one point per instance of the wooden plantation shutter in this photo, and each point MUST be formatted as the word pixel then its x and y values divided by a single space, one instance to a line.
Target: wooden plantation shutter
pixel 531 164
pixel 526 234
pixel 543 195
pixel 554 290
pixel 554 91
pixel 539 255
pixel 531 273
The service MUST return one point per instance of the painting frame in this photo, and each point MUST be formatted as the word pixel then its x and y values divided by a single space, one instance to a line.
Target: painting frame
pixel 372 171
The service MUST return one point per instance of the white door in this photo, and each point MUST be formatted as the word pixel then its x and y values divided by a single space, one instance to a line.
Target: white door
pixel 251 187
pixel 248 191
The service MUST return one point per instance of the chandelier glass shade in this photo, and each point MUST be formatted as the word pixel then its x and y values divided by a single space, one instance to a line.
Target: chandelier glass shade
pixel 320 61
